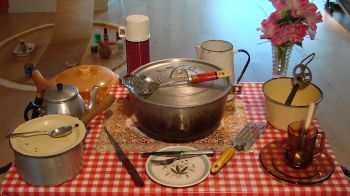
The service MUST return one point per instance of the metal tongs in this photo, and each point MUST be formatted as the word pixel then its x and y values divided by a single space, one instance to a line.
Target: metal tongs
pixel 302 77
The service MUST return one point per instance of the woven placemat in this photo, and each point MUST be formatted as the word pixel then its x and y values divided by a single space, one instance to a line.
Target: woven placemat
pixel 122 124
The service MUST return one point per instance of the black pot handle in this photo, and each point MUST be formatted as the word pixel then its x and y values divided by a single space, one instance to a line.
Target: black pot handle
pixel 35 113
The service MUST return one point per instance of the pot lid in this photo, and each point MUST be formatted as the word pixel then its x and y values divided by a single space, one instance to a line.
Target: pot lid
pixel 44 145
pixel 60 93
pixel 84 77
pixel 179 93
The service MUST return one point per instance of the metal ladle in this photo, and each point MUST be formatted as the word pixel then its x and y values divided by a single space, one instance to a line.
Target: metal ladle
pixel 301 78
pixel 55 133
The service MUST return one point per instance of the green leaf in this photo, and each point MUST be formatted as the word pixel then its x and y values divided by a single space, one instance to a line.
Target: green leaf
pixel 288 18
pixel 183 170
pixel 178 169
pixel 173 170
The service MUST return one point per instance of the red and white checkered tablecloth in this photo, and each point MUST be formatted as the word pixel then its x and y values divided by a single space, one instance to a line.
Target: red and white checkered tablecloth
pixel 103 174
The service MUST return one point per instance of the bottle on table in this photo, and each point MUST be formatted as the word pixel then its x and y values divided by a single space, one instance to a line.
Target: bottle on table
pixel 97 37
pixel 105 35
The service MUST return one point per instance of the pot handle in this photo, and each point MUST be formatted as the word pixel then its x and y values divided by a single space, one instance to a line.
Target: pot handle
pixel 35 113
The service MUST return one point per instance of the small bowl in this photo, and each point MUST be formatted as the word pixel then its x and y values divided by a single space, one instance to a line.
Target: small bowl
pixel 276 92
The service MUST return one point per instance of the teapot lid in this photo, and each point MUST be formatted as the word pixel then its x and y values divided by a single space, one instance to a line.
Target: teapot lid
pixel 60 93
pixel 84 77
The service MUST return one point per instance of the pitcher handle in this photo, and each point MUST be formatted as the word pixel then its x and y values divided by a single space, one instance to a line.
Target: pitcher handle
pixel 245 66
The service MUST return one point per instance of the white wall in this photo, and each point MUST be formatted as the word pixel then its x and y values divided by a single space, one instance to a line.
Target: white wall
pixel 16 6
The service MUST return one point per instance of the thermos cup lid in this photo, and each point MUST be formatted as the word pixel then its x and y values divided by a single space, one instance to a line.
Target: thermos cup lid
pixel 137 28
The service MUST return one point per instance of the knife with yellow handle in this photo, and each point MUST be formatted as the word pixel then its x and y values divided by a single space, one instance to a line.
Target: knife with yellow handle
pixel 222 160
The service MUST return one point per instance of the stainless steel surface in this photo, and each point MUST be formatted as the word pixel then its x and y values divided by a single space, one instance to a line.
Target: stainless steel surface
pixel 125 161
pixel 140 84
pixel 180 113
pixel 257 130
pixel 144 86
pixel 192 94
pixel 52 170
pixel 58 132
pixel 61 93
pixel 66 101
pixel 243 137
pixel 175 153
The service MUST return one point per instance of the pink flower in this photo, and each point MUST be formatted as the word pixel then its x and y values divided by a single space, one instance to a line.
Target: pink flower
pixel 289 33
pixel 278 4
pixel 291 21
pixel 269 26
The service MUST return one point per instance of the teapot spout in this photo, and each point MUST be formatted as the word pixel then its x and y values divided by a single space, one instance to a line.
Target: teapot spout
pixel 93 97
pixel 198 51
pixel 41 83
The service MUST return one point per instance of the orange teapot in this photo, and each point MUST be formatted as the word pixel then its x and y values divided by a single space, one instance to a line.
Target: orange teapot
pixel 84 77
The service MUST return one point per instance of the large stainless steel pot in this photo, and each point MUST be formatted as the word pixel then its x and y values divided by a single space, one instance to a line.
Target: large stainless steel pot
pixel 180 113
pixel 45 161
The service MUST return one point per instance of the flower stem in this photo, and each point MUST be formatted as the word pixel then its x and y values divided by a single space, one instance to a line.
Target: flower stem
pixel 282 51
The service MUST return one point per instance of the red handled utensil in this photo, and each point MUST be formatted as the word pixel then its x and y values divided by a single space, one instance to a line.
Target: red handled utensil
pixel 144 86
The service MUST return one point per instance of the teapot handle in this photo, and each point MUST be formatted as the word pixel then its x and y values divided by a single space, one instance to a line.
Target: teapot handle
pixel 245 66
pixel 35 113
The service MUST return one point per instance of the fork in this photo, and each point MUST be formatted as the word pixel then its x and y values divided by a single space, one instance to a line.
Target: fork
pixel 243 141
pixel 172 160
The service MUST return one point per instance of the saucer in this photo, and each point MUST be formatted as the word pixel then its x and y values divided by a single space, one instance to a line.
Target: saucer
pixel 273 161
pixel 181 173
pixel 279 163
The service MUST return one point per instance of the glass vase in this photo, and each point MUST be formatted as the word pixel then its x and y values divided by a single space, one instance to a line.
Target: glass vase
pixel 280 60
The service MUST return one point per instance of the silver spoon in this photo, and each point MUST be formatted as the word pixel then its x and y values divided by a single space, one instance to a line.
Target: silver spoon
pixel 58 132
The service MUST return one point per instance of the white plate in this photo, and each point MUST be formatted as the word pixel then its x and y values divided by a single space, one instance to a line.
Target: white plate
pixel 44 145
pixel 181 173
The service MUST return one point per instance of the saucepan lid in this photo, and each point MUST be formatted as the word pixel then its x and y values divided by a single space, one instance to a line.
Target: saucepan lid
pixel 44 145
pixel 179 93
